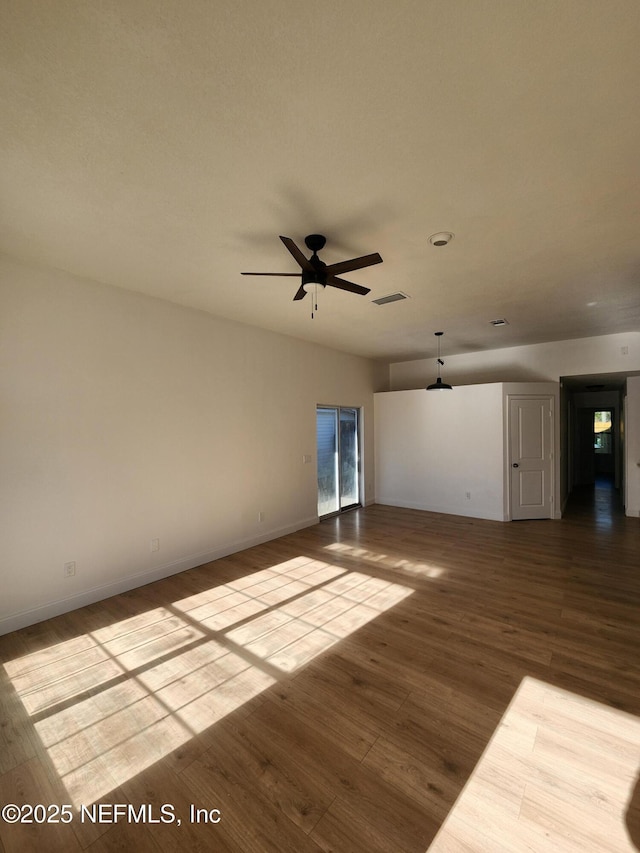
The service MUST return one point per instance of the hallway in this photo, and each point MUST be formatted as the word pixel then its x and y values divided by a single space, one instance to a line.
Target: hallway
pixel 599 503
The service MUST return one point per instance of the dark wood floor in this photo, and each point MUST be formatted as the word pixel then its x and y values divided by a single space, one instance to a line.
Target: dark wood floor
pixel 328 691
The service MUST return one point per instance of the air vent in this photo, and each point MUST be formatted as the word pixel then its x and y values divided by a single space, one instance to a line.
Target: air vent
pixel 392 297
pixel 501 322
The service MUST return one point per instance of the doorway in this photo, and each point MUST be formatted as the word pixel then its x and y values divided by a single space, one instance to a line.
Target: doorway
pixel 594 454
pixel 595 438
pixel 338 439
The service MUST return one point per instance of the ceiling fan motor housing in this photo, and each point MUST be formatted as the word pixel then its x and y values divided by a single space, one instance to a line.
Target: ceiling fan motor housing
pixel 318 274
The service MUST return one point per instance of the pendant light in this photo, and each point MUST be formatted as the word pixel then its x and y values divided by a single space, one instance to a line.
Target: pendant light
pixel 439 385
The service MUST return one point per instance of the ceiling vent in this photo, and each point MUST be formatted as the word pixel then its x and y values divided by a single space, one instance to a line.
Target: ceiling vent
pixel 392 297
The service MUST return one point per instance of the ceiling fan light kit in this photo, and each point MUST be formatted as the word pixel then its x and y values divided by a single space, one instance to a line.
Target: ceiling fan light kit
pixel 439 385
pixel 315 273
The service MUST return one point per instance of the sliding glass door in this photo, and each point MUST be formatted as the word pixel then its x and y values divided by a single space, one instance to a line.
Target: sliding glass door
pixel 349 457
pixel 338 459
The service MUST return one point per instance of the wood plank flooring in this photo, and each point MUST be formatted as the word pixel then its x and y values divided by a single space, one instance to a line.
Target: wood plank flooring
pixel 392 680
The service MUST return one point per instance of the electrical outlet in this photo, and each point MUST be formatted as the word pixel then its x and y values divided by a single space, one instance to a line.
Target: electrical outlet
pixel 468 494
pixel 155 545
pixel 69 569
pixel 260 517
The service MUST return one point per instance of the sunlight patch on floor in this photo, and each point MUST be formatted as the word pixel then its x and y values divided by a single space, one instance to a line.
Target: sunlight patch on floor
pixel 287 637
pixel 556 777
pixel 110 703
pixel 398 564
pixel 58 673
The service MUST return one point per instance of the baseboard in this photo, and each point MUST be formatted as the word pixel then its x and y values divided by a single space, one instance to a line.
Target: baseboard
pixel 439 509
pixel 34 615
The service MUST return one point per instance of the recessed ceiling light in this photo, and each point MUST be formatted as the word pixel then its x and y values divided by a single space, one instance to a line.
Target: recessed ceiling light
pixel 501 322
pixel 441 238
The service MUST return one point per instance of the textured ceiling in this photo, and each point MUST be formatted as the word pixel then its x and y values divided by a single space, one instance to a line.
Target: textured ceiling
pixel 163 147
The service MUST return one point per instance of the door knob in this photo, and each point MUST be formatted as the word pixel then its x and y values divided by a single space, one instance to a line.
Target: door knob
pixel 515 465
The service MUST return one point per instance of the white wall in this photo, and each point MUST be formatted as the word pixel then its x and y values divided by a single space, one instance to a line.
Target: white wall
pixel 126 418
pixel 434 447
pixel 632 446
pixel 535 363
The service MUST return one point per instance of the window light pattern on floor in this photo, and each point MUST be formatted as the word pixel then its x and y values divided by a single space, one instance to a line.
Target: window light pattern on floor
pixel 108 704
pixel 415 568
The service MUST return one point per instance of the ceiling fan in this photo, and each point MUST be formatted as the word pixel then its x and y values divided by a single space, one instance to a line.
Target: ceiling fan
pixel 316 273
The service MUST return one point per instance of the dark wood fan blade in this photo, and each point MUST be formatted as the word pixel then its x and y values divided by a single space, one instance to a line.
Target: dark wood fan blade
pixel 271 273
pixel 354 264
pixel 302 260
pixel 347 285
pixel 300 293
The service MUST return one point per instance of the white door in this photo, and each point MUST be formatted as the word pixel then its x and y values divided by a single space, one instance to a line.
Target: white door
pixel 531 457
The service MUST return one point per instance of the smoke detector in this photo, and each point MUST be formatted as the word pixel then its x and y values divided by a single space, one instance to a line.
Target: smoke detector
pixel 441 238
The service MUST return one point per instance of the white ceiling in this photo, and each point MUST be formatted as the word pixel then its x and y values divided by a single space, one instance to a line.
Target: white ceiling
pixel 163 146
